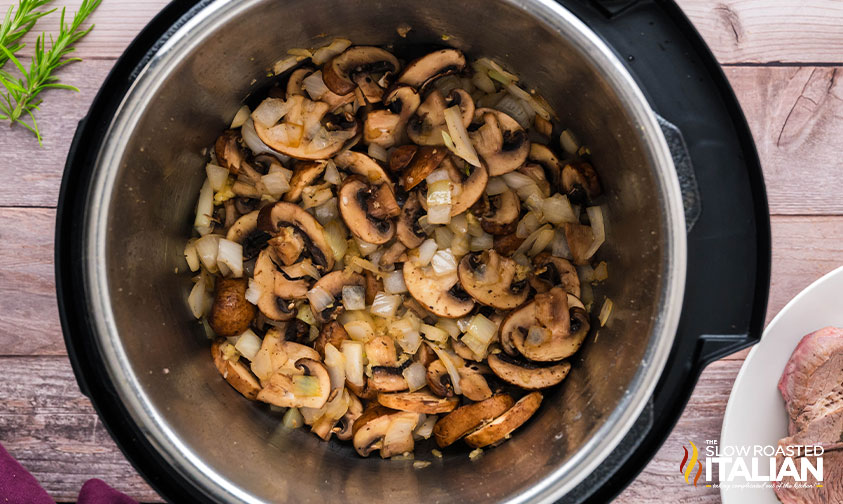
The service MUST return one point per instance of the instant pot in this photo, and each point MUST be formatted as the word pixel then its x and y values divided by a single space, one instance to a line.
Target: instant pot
pixel 688 245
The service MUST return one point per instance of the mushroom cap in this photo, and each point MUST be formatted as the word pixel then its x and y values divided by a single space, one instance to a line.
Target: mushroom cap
pixel 358 202
pixel 235 372
pixel 429 67
pixel 497 430
pixel 355 410
pixel 437 293
pixel 471 187
pixel 363 165
pixel 499 140
pixel 294 81
pixel 580 182
pixel 308 130
pixel 418 402
pixel 456 424
pixel 438 379
pixel 408 230
pixel 554 271
pixel 381 429
pixel 579 240
pixel 334 333
pixel 500 216
pixel 544 157
pixel 491 279
pixel 428 123
pixel 245 231
pixel 387 127
pixel 332 283
pixel 228 151
pixel 352 67
pixel 283 214
pixel 425 159
pixel 276 289
pixel 527 375
pixel 231 313
pixel 284 388
pixel 304 174
pixel 388 378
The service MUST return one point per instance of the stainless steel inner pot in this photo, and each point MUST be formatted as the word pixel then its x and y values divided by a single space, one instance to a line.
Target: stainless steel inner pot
pixel 146 180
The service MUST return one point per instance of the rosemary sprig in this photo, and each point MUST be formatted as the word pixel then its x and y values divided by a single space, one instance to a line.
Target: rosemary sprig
pixel 21 96
pixel 16 24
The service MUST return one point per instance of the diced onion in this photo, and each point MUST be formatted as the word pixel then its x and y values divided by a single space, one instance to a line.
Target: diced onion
pixel 284 64
pixel 354 297
pixel 463 323
pixel 217 176
pixel 292 419
pixel 482 81
pixel 312 199
pixel 378 152
pixel 409 340
pixel 530 240
pixel 366 248
pixel 483 328
pixel 443 262
pixel 364 264
pixel 434 333
pixel 482 242
pixel 393 283
pixel 557 209
pixel 569 142
pixel 253 141
pixel 327 212
pixel 320 299
pixel 275 184
pixel 587 294
pixel 517 180
pixel 305 314
pixel 449 326
pixel 248 344
pixel 204 208
pixel 605 311
pixel 191 256
pixel 447 360
pixel 254 292
pixel 335 363
pixel 231 255
pixel 459 224
pixel 416 376
pixel 323 54
pixel 439 214
pixel 586 273
pixel 332 175
pixel 535 202
pixel 303 268
pixel 496 185
pixel 270 111
pixel 240 117
pixel 335 236
pixel 601 272
pixel 527 225
pixel 437 175
pixel 443 237
pixel 424 431
pixel 595 216
pixel 439 193
pixel 359 330
pixel 385 305
pixel 559 247
pixel 462 146
pixel 199 300
pixel 543 240
pixel 460 245
pixel 425 252
pixel 207 248
pixel 314 86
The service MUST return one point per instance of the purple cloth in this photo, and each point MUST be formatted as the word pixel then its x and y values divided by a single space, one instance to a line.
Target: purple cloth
pixel 17 486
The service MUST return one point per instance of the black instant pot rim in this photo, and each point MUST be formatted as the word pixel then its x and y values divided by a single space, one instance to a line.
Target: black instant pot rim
pixel 77 327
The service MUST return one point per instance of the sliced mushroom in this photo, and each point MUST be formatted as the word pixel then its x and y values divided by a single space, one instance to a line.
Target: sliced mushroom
pixel 545 329
pixel 424 160
pixel 355 67
pixel 294 82
pixel 277 291
pixel 304 174
pixel 387 127
pixel 282 214
pixel 245 232
pixel 380 351
pixel 468 183
pixel 499 140
pixel 367 209
pixel 332 283
pixel 308 130
pixel 363 165
pixel 228 151
pixel 506 245
pixel 388 378
pixel 234 371
pixel 395 253
pixel 408 230
pixel 442 295
pixel 579 240
pixel 536 173
pixel 309 387
pixel 550 271
pixel 428 123
pixel 498 214
pixel 472 382
pixel 297 331
pixel 334 333
pixel 400 157
pixel 418 402
pixel 544 157
pixel 580 182
pixel 355 410
pixel 430 67
pixel 438 379
pixel 493 280
pixel 453 426
pixel 525 374
pixel 231 313
pixel 392 434
pixel 504 425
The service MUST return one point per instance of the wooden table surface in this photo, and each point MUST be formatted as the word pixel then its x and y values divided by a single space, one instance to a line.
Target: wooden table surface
pixel 782 57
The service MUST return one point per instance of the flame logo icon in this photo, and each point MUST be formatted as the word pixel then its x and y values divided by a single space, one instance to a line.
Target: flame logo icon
pixel 687 469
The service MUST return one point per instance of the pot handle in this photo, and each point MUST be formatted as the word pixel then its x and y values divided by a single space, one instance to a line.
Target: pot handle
pixel 684 170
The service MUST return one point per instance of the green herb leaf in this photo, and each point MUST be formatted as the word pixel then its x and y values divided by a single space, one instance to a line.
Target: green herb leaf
pixel 18 23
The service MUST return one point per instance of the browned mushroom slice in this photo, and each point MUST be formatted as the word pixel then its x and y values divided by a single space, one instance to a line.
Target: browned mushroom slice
pixel 309 387
pixel 231 313
pixel 355 411
pixel 493 280
pixel 388 378
pixel 432 66
pixel 545 329
pixel 355 67
pixel 469 183
pixel 438 379
pixel 525 374
pixel 308 130
pixel 392 434
pixel 235 372
pixel 304 174
pixel 550 164
pixel 277 291
pixel 228 151
pixel 428 123
pixel 425 159
pixel 418 402
pixel 453 426
pixel 363 165
pixel 387 127
pixel 273 218
pixel 580 182
pixel 334 333
pixel 400 157
pixel 367 209
pixel 395 253
pixel 499 213
pixel 472 382
pixel 506 245
pixel 442 295
pixel 579 240
pixel 332 284
pixel 549 271
pixel 499 140
pixel 380 351
pixel 245 232
pixel 408 230
pixel 502 426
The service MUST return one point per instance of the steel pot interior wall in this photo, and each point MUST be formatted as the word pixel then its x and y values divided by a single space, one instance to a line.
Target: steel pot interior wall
pixel 149 173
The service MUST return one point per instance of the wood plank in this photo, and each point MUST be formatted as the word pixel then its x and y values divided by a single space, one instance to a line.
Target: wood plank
pixel 54 432
pixel 794 114
pixel 763 31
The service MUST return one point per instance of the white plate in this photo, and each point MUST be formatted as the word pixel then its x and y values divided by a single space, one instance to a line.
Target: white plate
pixel 755 414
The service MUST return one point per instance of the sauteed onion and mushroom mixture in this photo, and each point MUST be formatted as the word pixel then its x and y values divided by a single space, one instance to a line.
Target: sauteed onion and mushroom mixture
pixel 391 250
